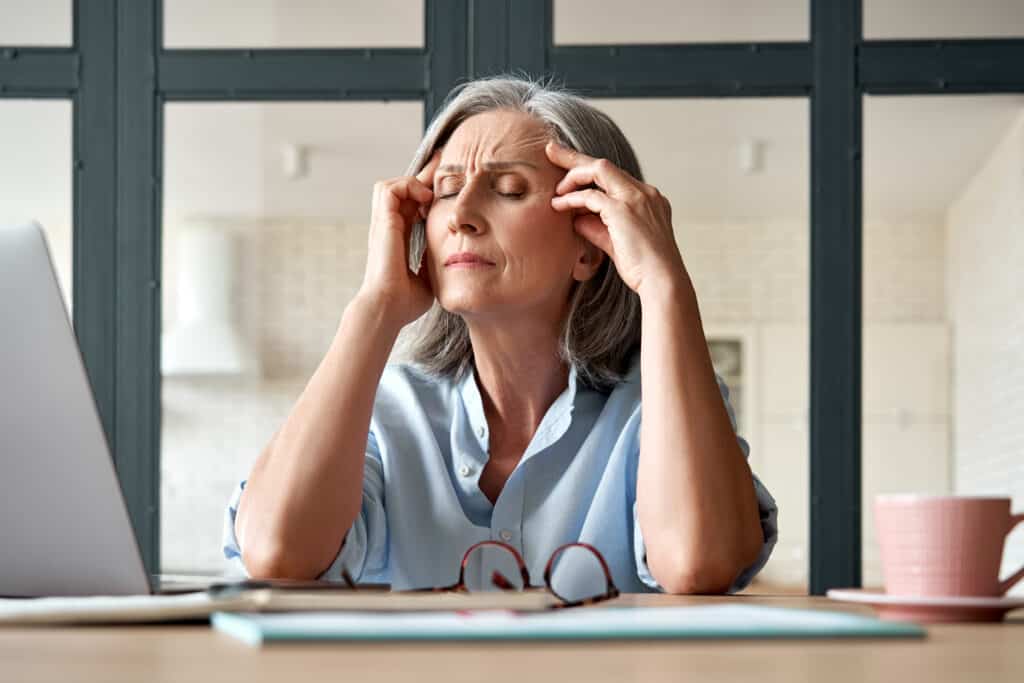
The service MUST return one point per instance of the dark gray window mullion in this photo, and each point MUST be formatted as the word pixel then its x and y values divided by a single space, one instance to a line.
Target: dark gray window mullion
pixel 138 271
pixel 835 320
pixel 342 74
pixel 509 37
pixel 489 37
pixel 531 34
pixel 38 72
pixel 94 269
pixel 447 45
pixel 943 66
pixel 685 70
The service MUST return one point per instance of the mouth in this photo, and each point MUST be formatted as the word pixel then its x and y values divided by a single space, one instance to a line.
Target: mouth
pixel 467 260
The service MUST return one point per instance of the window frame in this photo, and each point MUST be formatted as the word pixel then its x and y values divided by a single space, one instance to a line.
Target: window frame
pixel 118 76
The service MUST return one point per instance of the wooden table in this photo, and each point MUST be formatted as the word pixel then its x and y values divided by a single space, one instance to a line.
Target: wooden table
pixel 964 652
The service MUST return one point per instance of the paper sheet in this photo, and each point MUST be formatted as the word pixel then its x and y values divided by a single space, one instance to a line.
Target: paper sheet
pixel 727 621
pixel 113 609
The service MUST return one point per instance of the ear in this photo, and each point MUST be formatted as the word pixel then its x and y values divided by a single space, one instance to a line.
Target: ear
pixel 588 260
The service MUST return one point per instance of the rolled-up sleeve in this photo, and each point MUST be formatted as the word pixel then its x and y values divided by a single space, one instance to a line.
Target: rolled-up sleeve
pixel 232 550
pixel 364 550
pixel 767 507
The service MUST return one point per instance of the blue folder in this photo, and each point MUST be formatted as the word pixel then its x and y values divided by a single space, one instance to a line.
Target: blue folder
pixel 609 623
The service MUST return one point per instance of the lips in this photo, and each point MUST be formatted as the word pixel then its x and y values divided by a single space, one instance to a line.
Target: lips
pixel 468 258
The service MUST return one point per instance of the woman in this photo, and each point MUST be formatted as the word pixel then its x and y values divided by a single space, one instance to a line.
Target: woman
pixel 517 418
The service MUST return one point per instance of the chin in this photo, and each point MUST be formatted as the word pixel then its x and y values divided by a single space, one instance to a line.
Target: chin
pixel 465 302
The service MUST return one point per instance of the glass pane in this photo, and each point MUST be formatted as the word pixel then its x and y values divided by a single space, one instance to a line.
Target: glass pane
pixel 35 22
pixel 35 174
pixel 678 21
pixel 943 19
pixel 259 264
pixel 943 344
pixel 736 174
pixel 293 23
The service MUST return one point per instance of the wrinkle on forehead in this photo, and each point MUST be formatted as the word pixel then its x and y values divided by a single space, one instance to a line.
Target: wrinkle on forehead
pixel 497 138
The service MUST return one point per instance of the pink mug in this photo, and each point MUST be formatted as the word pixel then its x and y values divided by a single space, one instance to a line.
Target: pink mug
pixel 941 546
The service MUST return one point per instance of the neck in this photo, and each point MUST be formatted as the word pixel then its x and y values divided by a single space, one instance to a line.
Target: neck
pixel 519 374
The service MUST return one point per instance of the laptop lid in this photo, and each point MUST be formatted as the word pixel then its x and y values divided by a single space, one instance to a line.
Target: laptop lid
pixel 64 525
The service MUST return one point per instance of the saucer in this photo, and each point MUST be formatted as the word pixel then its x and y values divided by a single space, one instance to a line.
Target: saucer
pixel 929 609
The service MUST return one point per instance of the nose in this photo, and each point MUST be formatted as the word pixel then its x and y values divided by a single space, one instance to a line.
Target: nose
pixel 456 225
pixel 465 215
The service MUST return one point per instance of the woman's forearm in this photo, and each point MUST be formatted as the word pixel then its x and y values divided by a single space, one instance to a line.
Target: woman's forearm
pixel 305 490
pixel 695 492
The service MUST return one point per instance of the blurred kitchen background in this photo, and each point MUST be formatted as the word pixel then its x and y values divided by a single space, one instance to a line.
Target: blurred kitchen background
pixel 266 208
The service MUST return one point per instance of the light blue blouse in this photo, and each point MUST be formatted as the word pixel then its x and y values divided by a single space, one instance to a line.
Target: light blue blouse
pixel 422 506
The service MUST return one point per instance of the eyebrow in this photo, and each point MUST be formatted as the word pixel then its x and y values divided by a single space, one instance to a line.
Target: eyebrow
pixel 488 166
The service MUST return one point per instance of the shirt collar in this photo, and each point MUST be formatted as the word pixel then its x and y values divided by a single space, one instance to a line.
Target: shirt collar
pixel 554 424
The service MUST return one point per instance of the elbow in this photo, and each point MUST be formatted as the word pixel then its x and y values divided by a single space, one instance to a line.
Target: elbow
pixel 271 550
pixel 697 582
pixel 679 575
pixel 271 561
pixel 276 560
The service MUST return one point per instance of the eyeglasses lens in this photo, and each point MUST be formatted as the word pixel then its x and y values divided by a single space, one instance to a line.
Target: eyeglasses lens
pixel 577 575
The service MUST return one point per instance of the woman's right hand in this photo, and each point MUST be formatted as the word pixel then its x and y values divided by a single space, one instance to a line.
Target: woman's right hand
pixel 397 204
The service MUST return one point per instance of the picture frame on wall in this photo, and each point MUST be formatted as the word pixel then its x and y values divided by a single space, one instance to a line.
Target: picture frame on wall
pixel 733 350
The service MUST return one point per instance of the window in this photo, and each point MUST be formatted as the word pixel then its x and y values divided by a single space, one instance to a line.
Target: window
pixel 293 23
pixel 266 216
pixel 679 21
pixel 736 174
pixel 35 174
pixel 943 342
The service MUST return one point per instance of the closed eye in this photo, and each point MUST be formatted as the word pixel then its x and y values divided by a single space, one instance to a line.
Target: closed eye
pixel 514 195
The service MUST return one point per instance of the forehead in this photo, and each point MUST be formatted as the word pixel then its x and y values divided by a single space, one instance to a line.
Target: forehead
pixel 496 133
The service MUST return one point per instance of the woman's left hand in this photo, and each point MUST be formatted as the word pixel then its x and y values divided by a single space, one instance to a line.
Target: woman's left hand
pixel 629 220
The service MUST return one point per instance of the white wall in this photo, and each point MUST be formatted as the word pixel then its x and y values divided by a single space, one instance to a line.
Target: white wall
pixel 754 274
pixel 36 23
pixel 35 174
pixel 750 275
pixel 293 23
pixel 986 250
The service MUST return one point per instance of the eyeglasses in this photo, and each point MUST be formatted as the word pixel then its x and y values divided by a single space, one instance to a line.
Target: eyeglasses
pixel 576 574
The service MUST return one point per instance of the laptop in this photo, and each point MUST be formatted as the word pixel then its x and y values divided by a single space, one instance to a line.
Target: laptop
pixel 64 525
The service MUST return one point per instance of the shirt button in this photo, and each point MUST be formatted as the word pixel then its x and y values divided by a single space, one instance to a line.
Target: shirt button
pixel 505 535
pixel 481 432
pixel 465 470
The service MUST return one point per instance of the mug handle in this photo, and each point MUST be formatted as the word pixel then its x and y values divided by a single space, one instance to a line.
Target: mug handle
pixel 1019 574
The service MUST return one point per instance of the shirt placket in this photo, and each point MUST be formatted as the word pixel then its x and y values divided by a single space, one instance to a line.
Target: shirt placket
pixel 507 514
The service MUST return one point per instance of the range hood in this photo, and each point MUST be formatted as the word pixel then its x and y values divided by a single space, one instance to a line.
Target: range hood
pixel 205 339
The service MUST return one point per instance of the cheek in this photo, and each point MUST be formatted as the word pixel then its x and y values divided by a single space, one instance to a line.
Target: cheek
pixel 433 231
pixel 543 251
pixel 541 222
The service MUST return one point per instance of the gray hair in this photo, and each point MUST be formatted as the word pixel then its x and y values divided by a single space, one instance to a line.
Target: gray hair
pixel 602 328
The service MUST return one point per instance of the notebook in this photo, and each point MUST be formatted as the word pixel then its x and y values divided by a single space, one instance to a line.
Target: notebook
pixel 593 623
pixel 246 598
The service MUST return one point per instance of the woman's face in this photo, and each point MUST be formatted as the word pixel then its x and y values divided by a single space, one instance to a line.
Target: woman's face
pixel 492 198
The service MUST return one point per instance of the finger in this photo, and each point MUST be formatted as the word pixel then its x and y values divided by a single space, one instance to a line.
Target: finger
pixel 600 173
pixel 409 210
pixel 566 157
pixel 603 175
pixel 594 201
pixel 410 189
pixel 593 229
pixel 426 174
